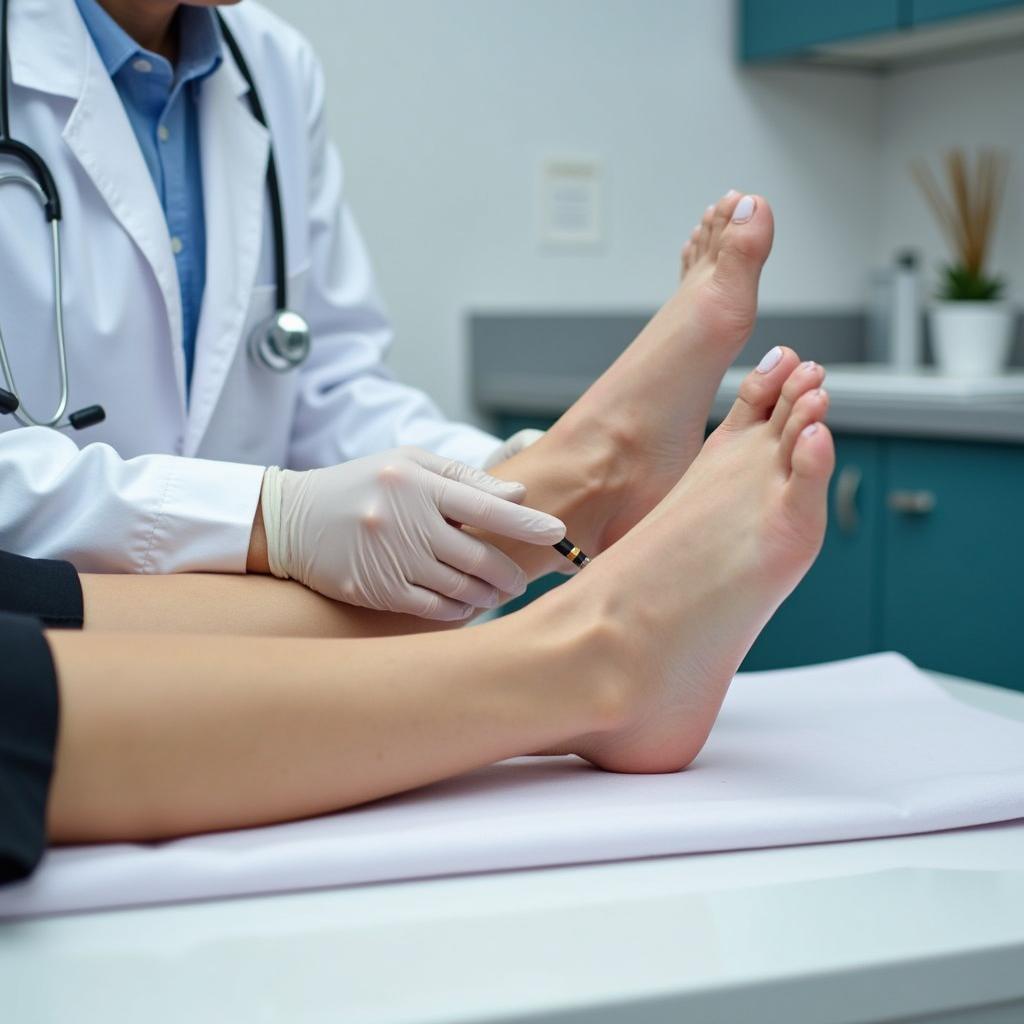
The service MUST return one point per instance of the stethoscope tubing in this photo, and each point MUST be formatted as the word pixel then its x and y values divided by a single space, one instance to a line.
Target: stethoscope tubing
pixel 45 190
pixel 21 414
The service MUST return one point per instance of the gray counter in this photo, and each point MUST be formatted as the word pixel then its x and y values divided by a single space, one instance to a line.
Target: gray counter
pixel 539 364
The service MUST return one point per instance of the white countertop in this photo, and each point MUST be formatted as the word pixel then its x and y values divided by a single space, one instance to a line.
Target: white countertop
pixel 829 934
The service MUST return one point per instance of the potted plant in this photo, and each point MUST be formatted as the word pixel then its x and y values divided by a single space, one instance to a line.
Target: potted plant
pixel 971 327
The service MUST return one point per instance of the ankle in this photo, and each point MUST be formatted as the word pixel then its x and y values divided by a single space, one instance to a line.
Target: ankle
pixel 601 472
pixel 596 651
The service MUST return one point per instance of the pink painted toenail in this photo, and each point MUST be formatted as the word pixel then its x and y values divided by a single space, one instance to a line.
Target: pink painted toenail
pixel 744 210
pixel 770 360
pixel 811 428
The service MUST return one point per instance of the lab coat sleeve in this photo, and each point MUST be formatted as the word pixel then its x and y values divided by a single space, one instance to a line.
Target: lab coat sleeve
pixel 152 514
pixel 349 404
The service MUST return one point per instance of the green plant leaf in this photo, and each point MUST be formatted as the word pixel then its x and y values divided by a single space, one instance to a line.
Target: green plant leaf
pixel 959 284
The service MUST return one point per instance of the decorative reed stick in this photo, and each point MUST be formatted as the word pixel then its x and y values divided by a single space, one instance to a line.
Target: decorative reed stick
pixel 967 211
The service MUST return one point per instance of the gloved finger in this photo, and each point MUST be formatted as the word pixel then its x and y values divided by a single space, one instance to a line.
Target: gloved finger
pixel 476 557
pixel 445 580
pixel 427 604
pixel 450 469
pixel 466 504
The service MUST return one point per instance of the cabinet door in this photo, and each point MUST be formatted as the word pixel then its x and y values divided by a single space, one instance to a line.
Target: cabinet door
pixel 927 11
pixel 833 613
pixel 953 591
pixel 777 28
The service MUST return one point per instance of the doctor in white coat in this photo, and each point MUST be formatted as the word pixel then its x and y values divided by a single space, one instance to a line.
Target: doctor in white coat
pixel 175 479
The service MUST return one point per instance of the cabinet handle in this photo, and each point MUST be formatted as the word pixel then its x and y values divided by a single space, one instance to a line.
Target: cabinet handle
pixel 912 503
pixel 845 498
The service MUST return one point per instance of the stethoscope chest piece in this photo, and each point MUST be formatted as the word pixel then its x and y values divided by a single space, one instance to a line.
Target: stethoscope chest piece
pixel 281 342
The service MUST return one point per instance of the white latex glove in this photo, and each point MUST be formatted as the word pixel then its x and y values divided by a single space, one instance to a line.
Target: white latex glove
pixel 513 446
pixel 378 532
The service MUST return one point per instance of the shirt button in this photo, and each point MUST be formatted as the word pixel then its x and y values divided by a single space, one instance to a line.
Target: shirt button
pixel 163 133
pixel 142 65
pixel 177 245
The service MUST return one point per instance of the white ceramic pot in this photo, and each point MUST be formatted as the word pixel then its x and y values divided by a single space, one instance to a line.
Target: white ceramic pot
pixel 972 339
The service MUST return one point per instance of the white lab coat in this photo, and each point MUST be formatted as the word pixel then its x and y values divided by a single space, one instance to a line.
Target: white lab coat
pixel 164 485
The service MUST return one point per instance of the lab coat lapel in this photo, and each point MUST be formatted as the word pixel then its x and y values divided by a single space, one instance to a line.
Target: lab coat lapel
pixel 55 54
pixel 235 148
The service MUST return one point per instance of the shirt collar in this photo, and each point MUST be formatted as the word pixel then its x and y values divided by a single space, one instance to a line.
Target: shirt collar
pixel 199 45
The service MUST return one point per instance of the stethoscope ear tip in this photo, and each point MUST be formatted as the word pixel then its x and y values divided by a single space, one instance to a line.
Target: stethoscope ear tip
pixel 8 402
pixel 87 417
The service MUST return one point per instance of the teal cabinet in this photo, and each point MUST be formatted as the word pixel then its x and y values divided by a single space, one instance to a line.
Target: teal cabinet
pixel 834 612
pixel 953 593
pixel 924 12
pixel 771 30
pixel 781 28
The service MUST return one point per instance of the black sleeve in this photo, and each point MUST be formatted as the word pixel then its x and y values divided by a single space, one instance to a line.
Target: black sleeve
pixel 50 591
pixel 28 736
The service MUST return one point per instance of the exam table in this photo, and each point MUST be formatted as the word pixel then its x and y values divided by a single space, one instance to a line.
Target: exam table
pixel 923 928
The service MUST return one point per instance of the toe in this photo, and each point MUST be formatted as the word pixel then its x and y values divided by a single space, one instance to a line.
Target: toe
pixel 806 377
pixel 724 209
pixel 814 458
pixel 809 408
pixel 760 389
pixel 695 244
pixel 687 257
pixel 705 230
pixel 746 239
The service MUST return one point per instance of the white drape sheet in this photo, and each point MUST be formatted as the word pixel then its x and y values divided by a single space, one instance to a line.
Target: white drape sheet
pixel 863 748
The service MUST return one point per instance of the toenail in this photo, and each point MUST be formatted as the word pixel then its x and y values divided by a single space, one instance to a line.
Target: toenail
pixel 809 365
pixel 744 210
pixel 770 360
pixel 811 428
pixel 709 210
pixel 732 192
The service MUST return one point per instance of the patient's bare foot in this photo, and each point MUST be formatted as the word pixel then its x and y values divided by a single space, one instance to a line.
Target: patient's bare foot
pixel 653 403
pixel 688 590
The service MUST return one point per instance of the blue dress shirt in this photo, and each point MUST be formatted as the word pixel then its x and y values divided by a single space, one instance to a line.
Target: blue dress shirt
pixel 161 103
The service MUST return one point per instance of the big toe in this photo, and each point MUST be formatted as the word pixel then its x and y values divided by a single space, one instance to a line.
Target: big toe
pixel 746 240
pixel 759 393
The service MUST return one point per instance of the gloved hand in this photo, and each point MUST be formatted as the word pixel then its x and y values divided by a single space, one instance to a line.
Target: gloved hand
pixel 378 532
pixel 513 446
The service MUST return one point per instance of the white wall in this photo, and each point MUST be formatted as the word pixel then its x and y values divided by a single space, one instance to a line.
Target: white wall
pixel 444 108
pixel 971 103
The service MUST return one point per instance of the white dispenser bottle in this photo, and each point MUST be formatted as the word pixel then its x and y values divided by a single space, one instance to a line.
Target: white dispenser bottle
pixel 905 347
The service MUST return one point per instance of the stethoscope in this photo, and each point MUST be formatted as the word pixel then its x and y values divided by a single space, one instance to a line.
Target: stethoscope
pixel 281 342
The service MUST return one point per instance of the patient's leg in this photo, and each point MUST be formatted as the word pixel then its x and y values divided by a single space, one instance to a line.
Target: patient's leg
pixel 606 462
pixel 238 605
pixel 164 735
pixel 626 665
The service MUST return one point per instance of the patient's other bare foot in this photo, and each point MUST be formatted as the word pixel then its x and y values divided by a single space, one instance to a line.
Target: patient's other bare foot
pixel 689 589
pixel 653 402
